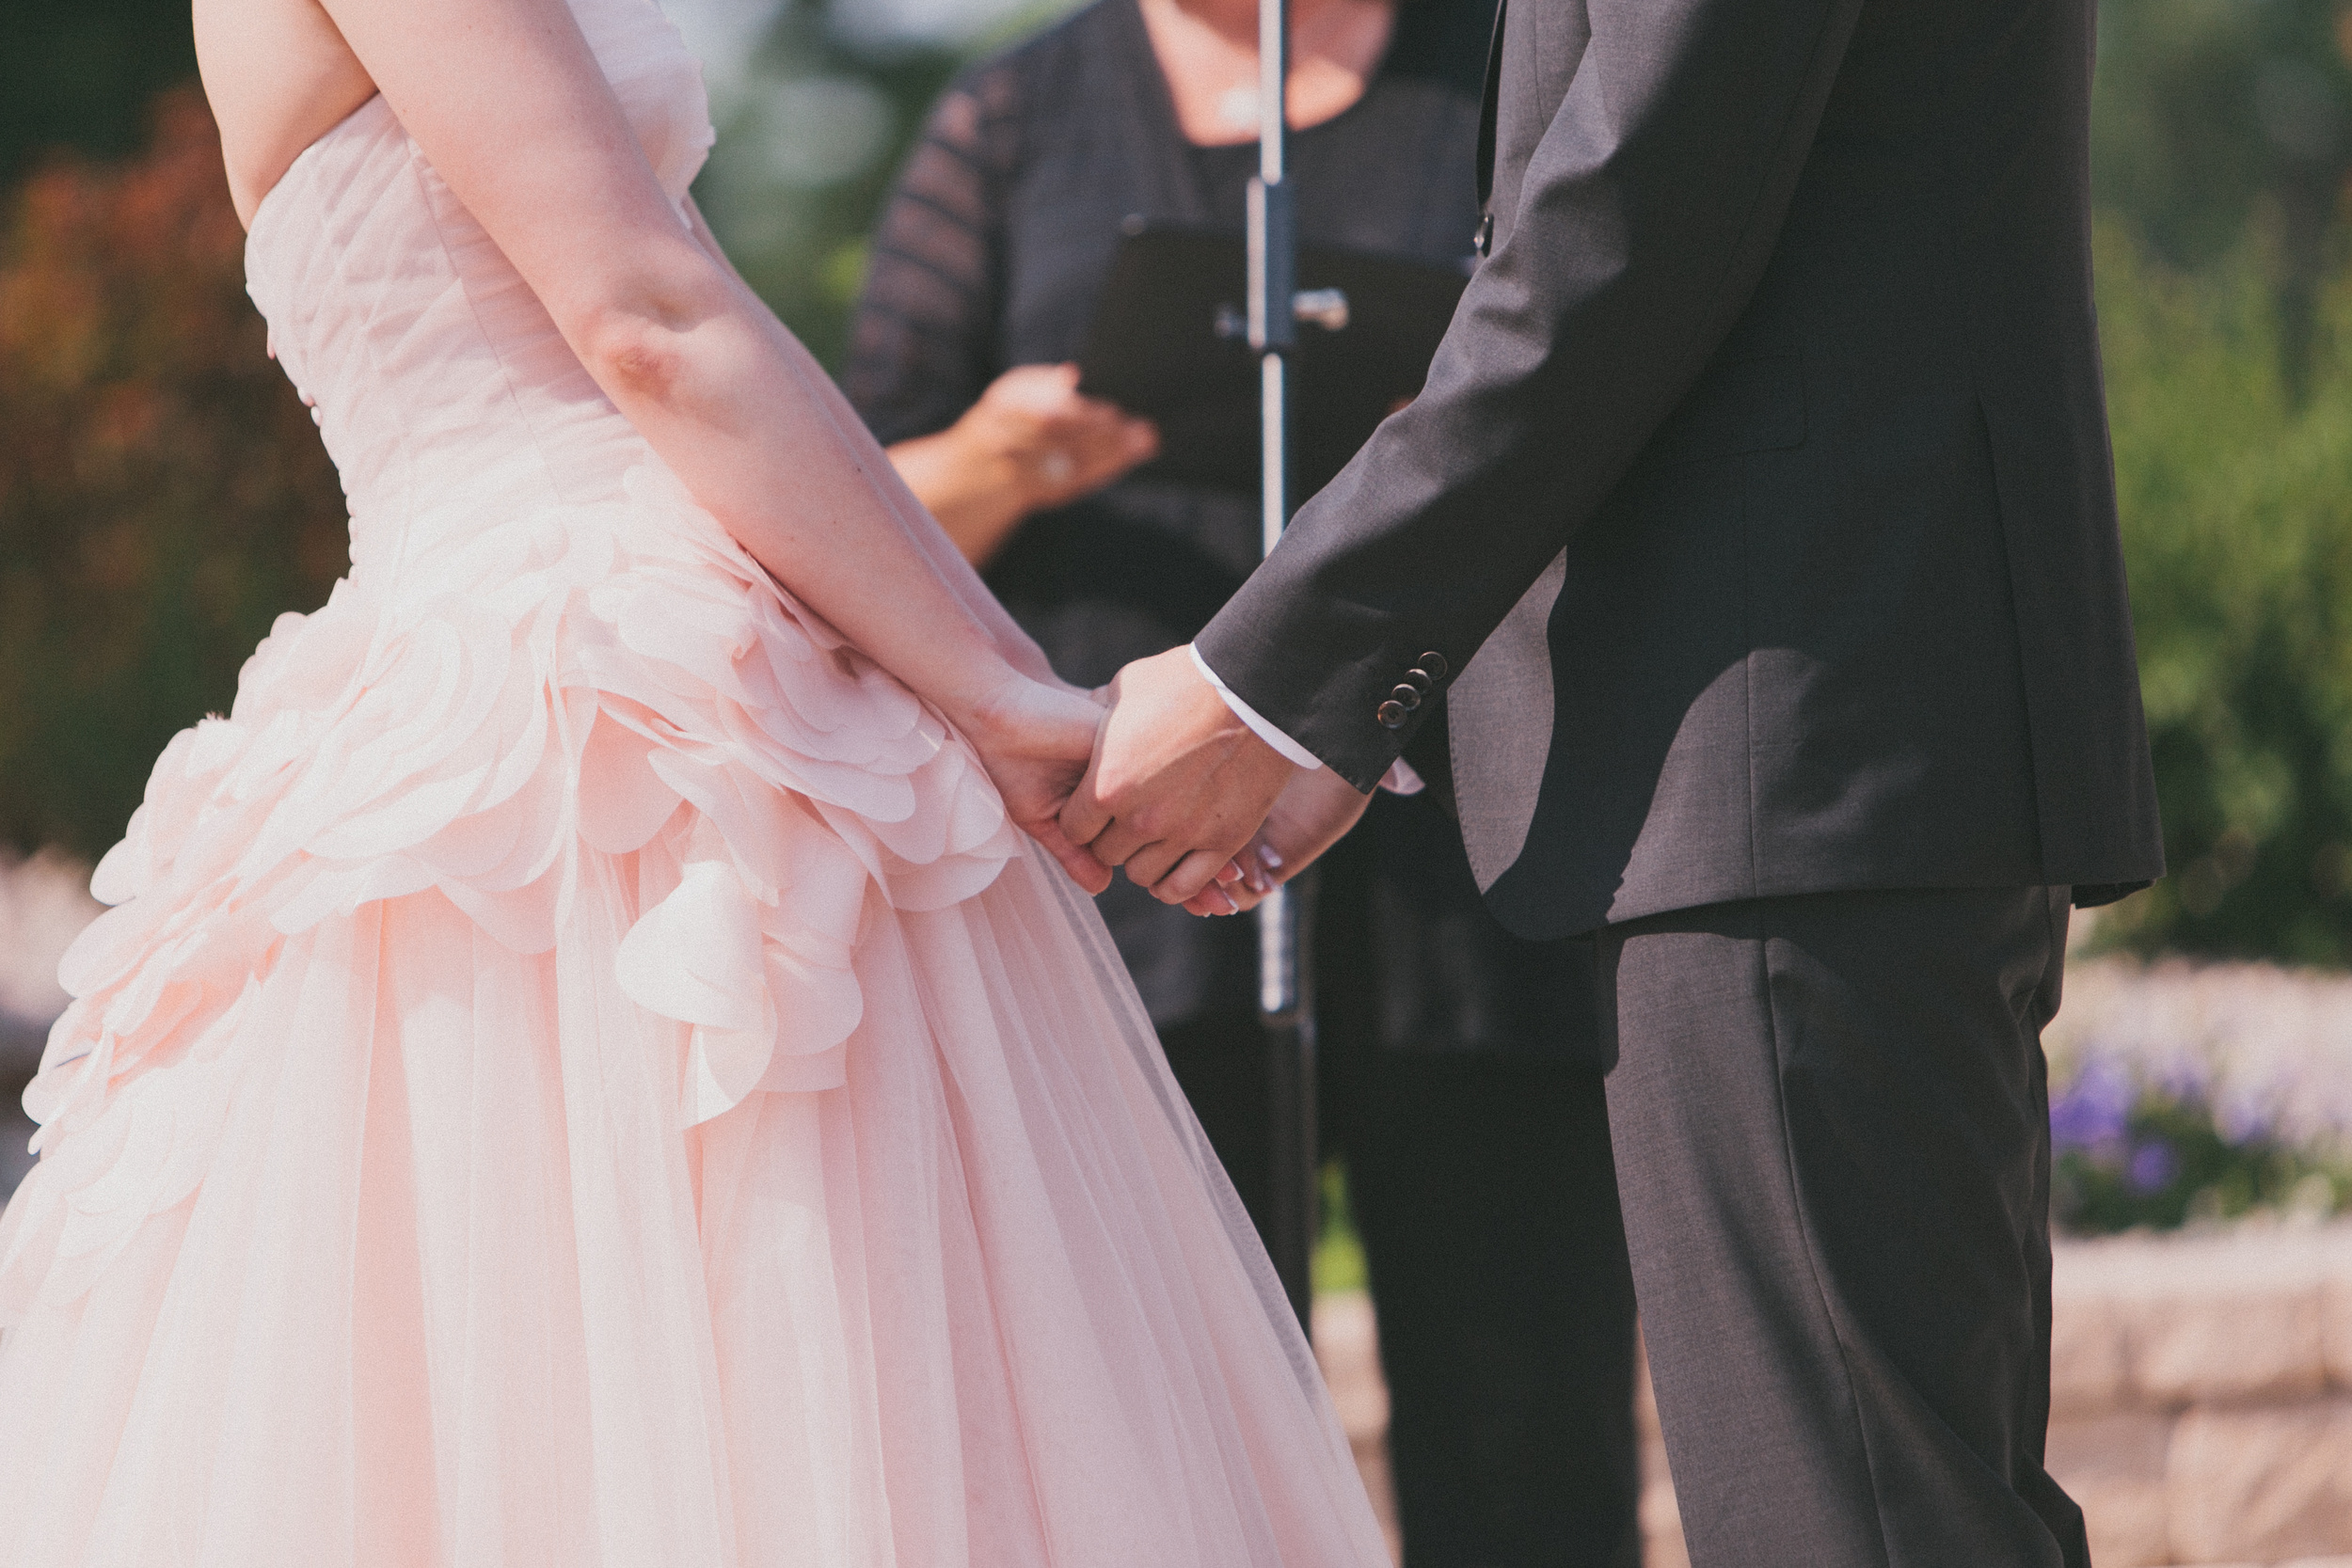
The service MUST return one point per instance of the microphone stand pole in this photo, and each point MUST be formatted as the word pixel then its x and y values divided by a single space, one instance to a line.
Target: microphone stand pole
pixel 1285 988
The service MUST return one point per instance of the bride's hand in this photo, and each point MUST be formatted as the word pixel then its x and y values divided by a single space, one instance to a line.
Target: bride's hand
pixel 1314 812
pixel 1036 737
pixel 1035 740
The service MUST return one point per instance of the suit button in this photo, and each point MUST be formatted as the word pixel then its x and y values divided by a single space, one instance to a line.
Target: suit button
pixel 1419 680
pixel 1392 714
pixel 1434 663
pixel 1406 695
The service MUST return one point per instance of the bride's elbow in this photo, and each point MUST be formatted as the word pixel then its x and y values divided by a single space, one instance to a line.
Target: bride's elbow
pixel 634 359
pixel 640 342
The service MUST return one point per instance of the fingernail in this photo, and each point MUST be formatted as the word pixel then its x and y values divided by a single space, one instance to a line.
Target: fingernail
pixel 1273 861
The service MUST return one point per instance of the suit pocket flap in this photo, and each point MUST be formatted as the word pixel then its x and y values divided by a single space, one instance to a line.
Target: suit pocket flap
pixel 1747 405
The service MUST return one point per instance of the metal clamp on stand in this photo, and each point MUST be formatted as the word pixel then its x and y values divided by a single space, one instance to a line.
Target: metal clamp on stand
pixel 1324 308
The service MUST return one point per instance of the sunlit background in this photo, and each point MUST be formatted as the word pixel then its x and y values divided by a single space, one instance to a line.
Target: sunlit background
pixel 163 497
pixel 158 503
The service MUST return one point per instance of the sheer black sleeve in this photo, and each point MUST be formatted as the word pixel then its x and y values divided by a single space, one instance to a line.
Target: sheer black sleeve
pixel 923 346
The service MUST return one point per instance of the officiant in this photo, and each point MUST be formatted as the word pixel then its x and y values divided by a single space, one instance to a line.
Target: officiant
pixel 1461 1067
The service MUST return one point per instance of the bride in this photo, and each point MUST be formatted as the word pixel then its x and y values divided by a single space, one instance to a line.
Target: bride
pixel 583 1067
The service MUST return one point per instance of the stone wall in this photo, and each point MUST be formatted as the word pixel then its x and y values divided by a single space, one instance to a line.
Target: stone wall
pixel 2201 1395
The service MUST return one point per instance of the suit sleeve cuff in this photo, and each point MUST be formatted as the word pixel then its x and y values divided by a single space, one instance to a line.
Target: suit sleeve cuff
pixel 1291 751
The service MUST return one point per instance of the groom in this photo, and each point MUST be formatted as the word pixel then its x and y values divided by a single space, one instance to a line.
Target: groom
pixel 1755 534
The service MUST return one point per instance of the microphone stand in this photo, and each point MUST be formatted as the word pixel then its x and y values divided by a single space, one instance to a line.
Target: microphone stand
pixel 1285 980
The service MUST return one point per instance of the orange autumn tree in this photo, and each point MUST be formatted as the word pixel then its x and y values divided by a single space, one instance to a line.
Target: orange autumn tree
pixel 163 492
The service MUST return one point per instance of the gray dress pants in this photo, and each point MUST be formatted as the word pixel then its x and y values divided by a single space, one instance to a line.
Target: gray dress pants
pixel 1830 1117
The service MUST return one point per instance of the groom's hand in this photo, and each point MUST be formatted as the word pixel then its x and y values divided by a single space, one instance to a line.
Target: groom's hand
pixel 1178 784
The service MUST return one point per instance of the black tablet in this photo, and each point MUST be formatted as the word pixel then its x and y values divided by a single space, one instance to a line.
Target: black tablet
pixel 1167 341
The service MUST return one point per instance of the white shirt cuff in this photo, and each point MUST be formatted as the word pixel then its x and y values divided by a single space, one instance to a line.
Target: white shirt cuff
pixel 1291 752
pixel 1401 780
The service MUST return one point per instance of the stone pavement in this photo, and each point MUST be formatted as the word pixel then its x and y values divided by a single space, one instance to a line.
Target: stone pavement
pixel 2201 1400
pixel 1348 1346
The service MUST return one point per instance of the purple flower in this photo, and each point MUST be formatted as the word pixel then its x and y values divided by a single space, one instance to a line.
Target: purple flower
pixel 2184 1081
pixel 2152 1167
pixel 2093 1108
pixel 2241 1120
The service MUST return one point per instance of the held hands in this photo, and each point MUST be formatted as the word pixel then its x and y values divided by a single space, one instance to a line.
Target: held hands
pixel 1165 782
pixel 1178 784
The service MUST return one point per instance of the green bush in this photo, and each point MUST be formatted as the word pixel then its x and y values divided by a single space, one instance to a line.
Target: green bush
pixel 2237 528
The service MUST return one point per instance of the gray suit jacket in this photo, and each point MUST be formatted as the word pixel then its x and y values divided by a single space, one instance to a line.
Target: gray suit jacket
pixel 1764 470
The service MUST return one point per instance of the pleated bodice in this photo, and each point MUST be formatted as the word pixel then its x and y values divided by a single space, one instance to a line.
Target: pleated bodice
pixel 439 383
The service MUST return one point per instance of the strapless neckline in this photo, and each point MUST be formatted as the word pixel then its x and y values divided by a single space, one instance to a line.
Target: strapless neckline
pixel 269 197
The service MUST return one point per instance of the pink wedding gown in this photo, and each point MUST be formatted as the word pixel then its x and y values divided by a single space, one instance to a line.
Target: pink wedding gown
pixel 581 1072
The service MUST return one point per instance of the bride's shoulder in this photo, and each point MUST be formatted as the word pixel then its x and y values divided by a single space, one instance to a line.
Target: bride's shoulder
pixel 278 75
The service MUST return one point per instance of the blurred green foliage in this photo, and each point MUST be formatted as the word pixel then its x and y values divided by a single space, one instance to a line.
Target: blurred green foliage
pixel 2221 143
pixel 2237 498
pixel 79 73
pixel 2223 129
pixel 810 138
pixel 1339 1264
pixel 163 493
pixel 807 146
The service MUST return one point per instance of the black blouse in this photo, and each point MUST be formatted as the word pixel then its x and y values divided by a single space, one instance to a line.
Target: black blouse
pixel 989 254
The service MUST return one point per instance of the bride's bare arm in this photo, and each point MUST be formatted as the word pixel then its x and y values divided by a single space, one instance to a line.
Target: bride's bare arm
pixel 509 105
pixel 277 74
pixel 1016 644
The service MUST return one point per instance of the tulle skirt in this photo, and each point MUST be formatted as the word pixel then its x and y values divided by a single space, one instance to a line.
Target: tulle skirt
pixel 456 1289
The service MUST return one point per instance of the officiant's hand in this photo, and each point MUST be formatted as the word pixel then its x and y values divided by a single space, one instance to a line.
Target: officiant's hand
pixel 1314 811
pixel 1031 443
pixel 1035 740
pixel 1178 784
